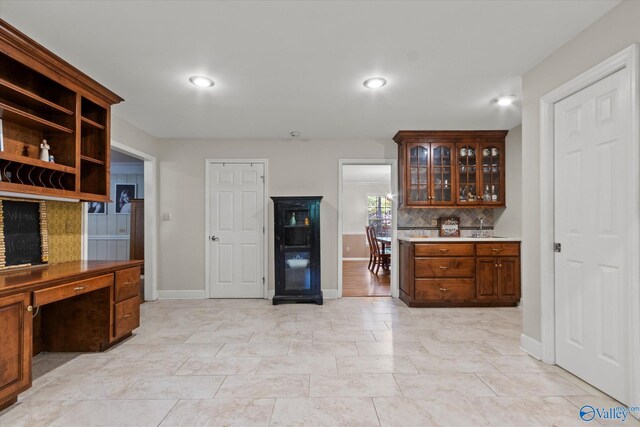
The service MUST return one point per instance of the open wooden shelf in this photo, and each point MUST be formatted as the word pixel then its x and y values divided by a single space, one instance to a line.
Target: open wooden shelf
pixel 36 162
pixel 42 97
pixel 13 114
pixel 91 123
pixel 40 191
pixel 25 97
pixel 92 160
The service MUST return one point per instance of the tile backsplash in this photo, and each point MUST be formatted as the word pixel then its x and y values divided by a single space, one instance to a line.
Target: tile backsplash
pixel 424 221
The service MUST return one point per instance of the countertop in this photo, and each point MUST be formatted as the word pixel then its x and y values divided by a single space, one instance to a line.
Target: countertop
pixel 33 278
pixel 460 239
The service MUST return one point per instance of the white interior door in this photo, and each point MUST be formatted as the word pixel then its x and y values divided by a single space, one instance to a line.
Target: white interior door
pixel 236 230
pixel 592 137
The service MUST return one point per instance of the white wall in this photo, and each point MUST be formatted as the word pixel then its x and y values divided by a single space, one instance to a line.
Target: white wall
pixel 109 234
pixel 508 221
pixel 126 133
pixel 612 33
pixel 355 203
pixel 296 167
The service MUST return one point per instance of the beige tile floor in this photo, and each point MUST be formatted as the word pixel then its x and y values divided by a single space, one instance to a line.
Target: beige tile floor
pixel 351 362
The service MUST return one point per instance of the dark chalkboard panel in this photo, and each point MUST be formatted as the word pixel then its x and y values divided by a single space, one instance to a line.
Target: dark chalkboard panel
pixel 22 238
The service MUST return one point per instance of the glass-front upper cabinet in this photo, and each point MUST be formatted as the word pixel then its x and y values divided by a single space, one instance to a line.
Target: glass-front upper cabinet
pixel 443 178
pixel 468 177
pixel 451 168
pixel 492 173
pixel 418 185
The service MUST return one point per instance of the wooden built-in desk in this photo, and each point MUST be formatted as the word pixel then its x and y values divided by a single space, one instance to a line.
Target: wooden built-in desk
pixel 73 306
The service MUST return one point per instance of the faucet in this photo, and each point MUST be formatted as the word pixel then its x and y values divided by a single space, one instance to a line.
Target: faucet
pixel 482 232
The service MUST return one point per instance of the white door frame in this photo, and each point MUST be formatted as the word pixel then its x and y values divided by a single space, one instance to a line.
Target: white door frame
pixel 395 290
pixel 207 221
pixel 628 58
pixel 150 219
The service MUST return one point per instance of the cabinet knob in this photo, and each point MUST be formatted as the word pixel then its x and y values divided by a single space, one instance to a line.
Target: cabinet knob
pixel 495 265
pixel 499 265
pixel 30 308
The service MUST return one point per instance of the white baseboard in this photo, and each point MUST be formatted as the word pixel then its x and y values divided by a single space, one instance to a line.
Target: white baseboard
pixel 355 259
pixel 531 346
pixel 326 294
pixel 184 294
pixel 330 294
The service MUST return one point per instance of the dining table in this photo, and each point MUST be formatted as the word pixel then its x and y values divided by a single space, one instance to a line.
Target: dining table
pixel 384 243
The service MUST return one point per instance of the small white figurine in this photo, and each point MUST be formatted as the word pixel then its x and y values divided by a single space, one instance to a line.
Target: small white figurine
pixel 44 151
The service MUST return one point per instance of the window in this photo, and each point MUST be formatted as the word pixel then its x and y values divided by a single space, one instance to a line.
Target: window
pixel 379 214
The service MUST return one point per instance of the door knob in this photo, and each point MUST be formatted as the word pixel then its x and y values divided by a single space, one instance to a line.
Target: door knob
pixel 214 238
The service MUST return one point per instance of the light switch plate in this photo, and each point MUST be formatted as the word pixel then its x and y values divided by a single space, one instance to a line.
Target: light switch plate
pixel 167 216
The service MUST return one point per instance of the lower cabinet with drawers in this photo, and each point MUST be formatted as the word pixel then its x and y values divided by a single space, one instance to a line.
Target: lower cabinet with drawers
pixel 465 274
pixel 83 306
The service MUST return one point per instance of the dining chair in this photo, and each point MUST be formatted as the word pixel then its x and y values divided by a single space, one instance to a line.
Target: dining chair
pixel 379 258
pixel 372 249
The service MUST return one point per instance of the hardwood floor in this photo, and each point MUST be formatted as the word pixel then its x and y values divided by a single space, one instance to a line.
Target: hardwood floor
pixel 358 281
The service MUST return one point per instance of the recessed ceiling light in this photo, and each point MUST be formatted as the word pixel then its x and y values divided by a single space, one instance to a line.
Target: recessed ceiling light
pixel 375 82
pixel 201 81
pixel 506 100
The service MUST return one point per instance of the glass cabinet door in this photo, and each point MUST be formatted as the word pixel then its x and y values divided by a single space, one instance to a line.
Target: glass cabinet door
pixel 296 250
pixel 492 164
pixel 442 179
pixel 467 189
pixel 418 178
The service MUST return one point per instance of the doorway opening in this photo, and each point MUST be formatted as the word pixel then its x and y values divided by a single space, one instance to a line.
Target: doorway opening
pixel 367 218
pixel 107 227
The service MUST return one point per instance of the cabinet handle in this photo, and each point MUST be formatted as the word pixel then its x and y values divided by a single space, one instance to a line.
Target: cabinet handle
pixel 79 288
pixel 443 289
pixel 444 251
pixel 127 315
pixel 30 308
pixel 127 283
pixel 496 250
pixel 443 267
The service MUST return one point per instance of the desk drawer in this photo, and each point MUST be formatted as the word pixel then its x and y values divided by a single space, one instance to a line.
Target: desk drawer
pixel 68 290
pixel 127 283
pixel 498 249
pixel 443 249
pixel 444 267
pixel 445 289
pixel 126 316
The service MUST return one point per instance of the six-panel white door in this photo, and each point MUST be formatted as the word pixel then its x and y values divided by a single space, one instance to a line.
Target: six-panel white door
pixel 592 136
pixel 236 230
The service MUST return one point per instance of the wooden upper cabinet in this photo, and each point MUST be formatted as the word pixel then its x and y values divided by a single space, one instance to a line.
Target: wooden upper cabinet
pixel 44 97
pixel 451 168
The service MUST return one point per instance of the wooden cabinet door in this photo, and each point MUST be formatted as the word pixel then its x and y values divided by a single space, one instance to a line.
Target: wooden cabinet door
pixel 15 345
pixel 491 165
pixel 468 173
pixel 442 173
pixel 509 278
pixel 417 174
pixel 486 278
